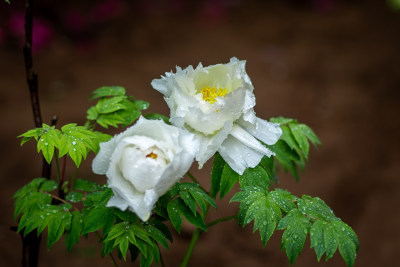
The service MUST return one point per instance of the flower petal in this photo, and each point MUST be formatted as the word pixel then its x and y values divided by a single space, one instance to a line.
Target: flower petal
pixel 247 139
pixel 267 132
pixel 239 156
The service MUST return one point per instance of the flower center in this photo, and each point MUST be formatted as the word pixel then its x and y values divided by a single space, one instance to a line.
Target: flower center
pixel 151 155
pixel 211 93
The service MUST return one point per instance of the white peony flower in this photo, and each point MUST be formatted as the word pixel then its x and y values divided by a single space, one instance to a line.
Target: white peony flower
pixel 143 162
pixel 216 104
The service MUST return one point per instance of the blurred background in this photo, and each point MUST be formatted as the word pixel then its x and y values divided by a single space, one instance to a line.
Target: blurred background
pixel 331 64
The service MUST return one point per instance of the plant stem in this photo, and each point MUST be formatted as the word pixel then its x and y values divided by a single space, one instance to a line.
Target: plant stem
pixel 224 219
pixel 192 244
pixel 58 170
pixel 63 201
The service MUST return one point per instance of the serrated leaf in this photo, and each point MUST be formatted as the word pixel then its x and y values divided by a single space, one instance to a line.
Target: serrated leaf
pixel 109 105
pixel 201 197
pixel 98 218
pixel 316 208
pixel 127 215
pixel 85 185
pixel 140 104
pixel 282 120
pixel 286 157
pixel 110 119
pixel 174 215
pixel 108 91
pixel 216 173
pixel 76 141
pixel 309 133
pixel 317 238
pixel 189 201
pixel 284 199
pixel 228 179
pixel 156 116
pixel 73 235
pixel 294 237
pixel 331 242
pixel 48 186
pixel 55 229
pixel 157 235
pixel 300 138
pixel 74 197
pixel 47 142
pixel 92 113
pixel 32 186
pixel 255 177
pixel 288 137
pixel 267 163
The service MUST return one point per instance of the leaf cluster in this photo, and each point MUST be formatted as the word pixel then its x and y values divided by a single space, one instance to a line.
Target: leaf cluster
pixel 293 147
pixel 188 200
pixel 114 107
pixel 280 210
pixel 72 140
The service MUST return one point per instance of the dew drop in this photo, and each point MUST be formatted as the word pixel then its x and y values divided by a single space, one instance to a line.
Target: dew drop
pixel 127 227
pixel 46 144
pixel 74 149
pixel 73 143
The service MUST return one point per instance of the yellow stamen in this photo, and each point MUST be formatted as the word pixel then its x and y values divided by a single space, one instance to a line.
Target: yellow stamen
pixel 151 155
pixel 210 94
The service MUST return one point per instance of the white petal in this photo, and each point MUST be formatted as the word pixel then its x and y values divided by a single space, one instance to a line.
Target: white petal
pixel 248 140
pixel 239 156
pixel 210 144
pixel 267 132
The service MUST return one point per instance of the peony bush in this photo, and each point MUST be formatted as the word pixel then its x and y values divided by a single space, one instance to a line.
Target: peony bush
pixel 139 190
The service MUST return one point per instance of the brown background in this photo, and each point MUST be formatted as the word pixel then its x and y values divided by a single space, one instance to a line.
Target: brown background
pixel 336 69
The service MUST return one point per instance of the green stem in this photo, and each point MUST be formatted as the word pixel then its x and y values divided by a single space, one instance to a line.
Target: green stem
pixel 192 244
pixel 58 169
pixel 220 220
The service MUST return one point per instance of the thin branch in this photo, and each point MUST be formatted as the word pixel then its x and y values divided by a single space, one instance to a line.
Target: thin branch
pixel 217 221
pixel 63 201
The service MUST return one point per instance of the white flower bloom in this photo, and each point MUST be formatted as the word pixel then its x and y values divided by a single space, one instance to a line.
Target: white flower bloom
pixel 216 104
pixel 143 162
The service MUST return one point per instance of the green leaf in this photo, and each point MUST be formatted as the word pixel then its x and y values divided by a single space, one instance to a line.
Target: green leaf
pixel 189 200
pixel 284 199
pixel 74 197
pixel 255 177
pixel 309 133
pixel 98 218
pixel 216 174
pixel 157 235
pixel 300 138
pixel 92 113
pixel 331 242
pixel 55 229
pixel 47 142
pixel 282 120
pixel 73 235
pixel 297 227
pixel 156 116
pixel 289 138
pixel 317 238
pixel 228 180
pixel 48 186
pixel 109 105
pixel 174 215
pixel 316 208
pixel 267 163
pixel 108 91
pixel 32 186
pixel 76 141
pixel 141 105
pixel 256 204
pixel 86 186
pixel 201 197
pixel 286 157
